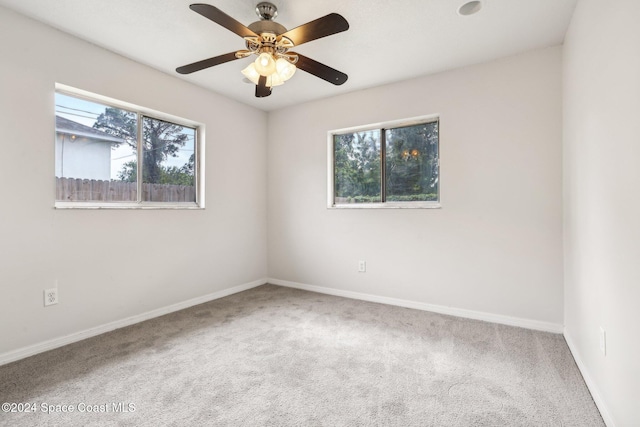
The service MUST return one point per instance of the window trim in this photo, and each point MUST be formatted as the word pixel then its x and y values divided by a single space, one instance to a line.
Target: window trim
pixel 142 112
pixel 379 126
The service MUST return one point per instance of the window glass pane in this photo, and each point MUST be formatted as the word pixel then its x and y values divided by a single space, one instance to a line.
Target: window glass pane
pixel 168 162
pixel 94 144
pixel 357 167
pixel 412 163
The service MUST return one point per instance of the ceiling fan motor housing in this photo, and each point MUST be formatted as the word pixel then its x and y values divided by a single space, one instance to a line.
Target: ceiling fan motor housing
pixel 260 27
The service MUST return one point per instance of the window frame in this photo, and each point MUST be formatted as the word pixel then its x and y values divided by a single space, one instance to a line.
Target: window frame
pixel 141 114
pixel 382 126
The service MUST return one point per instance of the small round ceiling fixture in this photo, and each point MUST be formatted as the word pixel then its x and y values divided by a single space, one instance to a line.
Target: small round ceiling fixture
pixel 469 8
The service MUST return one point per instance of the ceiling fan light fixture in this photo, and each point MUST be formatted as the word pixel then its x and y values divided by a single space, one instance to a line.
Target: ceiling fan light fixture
pixel 274 80
pixel 253 76
pixel 285 69
pixel 265 65
pixel 251 73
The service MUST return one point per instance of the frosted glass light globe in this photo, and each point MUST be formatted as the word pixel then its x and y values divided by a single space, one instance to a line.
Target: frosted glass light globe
pixel 285 69
pixel 265 65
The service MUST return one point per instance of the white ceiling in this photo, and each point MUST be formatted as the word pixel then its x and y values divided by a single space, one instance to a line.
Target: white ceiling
pixel 386 42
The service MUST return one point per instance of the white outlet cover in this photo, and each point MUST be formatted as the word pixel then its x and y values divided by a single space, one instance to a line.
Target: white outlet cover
pixel 50 296
pixel 362 266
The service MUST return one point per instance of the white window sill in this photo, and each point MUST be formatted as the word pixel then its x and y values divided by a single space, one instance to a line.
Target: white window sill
pixel 390 205
pixel 115 205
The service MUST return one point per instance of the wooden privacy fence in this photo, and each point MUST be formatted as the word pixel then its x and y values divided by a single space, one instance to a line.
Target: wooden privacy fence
pixel 91 190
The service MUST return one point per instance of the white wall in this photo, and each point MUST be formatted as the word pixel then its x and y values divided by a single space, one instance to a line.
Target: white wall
pixel 496 244
pixel 114 264
pixel 602 201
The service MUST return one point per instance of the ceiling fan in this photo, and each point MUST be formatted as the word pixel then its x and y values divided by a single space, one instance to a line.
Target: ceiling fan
pixel 271 42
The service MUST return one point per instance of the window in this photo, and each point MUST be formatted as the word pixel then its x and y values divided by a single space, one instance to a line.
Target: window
pixel 112 154
pixel 391 165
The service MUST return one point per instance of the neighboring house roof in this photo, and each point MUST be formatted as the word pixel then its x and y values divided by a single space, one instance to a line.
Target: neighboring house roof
pixel 73 128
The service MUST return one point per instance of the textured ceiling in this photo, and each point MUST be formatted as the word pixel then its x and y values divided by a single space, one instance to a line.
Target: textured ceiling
pixel 386 42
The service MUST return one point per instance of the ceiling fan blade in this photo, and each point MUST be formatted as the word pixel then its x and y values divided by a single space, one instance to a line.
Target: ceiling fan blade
pixel 321 27
pixel 206 63
pixel 262 89
pixel 320 70
pixel 221 18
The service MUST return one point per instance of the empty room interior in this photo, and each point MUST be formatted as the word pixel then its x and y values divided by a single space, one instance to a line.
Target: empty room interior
pixel 419 213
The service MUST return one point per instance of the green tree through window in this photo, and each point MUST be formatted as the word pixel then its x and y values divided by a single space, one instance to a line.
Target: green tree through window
pixel 357 167
pixel 410 172
pixel 161 140
pixel 412 163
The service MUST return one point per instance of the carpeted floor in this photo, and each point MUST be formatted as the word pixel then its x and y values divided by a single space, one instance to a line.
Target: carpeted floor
pixel 274 356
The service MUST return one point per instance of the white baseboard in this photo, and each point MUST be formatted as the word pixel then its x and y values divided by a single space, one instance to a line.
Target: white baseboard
pixel 453 311
pixel 31 350
pixel 591 385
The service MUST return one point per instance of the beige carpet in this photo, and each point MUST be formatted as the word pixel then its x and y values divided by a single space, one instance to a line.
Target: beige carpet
pixel 275 356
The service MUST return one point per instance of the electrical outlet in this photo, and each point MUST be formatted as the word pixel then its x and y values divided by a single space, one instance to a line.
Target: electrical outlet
pixel 362 266
pixel 603 341
pixel 50 296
